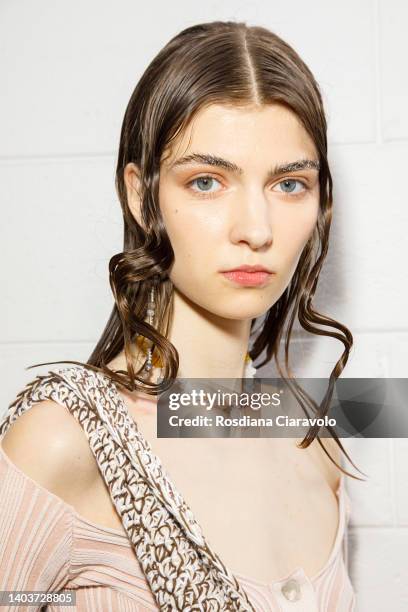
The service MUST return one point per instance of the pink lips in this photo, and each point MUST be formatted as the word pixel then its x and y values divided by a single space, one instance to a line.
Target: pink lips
pixel 250 276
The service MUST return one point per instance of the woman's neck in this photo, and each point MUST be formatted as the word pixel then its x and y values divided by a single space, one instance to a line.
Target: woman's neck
pixel 209 346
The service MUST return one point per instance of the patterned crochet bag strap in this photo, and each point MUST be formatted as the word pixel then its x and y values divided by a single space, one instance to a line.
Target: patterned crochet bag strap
pixel 182 570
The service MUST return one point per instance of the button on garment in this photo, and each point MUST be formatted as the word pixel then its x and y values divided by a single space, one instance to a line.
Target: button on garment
pixel 297 593
pixel 291 590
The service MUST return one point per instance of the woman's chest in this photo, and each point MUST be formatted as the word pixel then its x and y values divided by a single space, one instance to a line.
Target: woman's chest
pixel 264 506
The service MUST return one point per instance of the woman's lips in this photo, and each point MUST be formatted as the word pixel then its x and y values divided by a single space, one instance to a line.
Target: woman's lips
pixel 250 279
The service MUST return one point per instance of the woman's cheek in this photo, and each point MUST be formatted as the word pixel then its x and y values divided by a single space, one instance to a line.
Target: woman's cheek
pixel 295 233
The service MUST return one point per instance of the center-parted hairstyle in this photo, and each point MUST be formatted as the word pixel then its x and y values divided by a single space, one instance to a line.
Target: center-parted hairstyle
pixel 225 63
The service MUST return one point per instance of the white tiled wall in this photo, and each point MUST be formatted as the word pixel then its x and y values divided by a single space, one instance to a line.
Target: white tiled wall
pixel 67 72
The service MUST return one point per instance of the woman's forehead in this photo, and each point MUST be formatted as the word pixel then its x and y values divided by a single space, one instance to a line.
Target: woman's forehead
pixel 240 132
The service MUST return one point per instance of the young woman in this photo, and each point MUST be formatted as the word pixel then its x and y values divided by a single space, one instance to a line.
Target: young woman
pixel 226 193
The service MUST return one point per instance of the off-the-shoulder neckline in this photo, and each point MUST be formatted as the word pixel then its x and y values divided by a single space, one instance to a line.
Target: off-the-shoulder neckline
pixel 340 496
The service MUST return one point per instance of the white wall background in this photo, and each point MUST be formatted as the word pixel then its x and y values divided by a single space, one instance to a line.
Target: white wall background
pixel 67 72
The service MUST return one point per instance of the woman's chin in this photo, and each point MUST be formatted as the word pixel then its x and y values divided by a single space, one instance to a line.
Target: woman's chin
pixel 241 314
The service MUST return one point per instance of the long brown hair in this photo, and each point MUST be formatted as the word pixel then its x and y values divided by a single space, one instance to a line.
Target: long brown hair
pixel 235 64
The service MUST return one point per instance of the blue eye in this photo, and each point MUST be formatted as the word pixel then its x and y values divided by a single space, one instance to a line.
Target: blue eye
pixel 204 183
pixel 206 186
pixel 289 184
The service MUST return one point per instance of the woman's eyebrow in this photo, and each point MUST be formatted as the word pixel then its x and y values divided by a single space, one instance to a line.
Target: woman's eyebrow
pixel 214 160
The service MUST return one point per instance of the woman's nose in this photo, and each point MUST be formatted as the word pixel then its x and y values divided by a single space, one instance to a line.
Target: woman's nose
pixel 251 222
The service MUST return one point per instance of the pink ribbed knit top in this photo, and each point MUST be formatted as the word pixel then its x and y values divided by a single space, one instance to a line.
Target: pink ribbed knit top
pixel 45 545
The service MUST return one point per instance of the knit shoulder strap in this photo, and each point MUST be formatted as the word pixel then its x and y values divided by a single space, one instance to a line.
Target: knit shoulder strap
pixel 182 570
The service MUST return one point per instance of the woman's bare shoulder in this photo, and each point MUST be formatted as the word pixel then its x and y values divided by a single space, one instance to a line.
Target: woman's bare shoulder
pixel 331 471
pixel 49 445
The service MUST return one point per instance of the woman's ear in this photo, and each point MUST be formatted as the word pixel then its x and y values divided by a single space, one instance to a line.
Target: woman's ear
pixel 131 176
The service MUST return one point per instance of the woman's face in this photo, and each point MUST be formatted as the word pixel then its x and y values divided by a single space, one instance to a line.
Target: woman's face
pixel 220 215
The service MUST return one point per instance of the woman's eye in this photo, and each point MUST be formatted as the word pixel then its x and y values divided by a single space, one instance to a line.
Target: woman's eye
pixel 289 186
pixel 207 186
pixel 204 184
